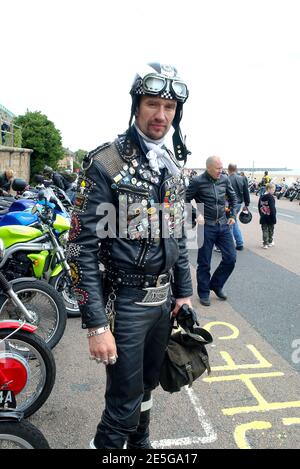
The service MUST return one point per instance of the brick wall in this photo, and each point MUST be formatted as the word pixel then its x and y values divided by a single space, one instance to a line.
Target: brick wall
pixel 18 159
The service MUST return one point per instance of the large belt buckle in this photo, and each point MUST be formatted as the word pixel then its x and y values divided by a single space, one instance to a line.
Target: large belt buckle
pixel 158 295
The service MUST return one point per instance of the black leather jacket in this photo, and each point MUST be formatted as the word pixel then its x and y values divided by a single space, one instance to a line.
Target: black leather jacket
pixel 240 187
pixel 213 194
pixel 118 173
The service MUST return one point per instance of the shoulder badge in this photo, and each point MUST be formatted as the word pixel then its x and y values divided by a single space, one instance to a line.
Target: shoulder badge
pixel 88 159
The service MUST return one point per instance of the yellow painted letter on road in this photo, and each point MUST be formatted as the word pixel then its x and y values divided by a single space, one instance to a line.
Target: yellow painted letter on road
pixel 241 430
pixel 231 365
pixel 234 330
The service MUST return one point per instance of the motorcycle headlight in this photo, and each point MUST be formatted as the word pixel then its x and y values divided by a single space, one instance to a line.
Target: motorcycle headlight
pixel 63 238
pixel 2 249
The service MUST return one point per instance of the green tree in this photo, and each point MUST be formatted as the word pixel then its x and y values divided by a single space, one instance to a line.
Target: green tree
pixel 79 155
pixel 40 135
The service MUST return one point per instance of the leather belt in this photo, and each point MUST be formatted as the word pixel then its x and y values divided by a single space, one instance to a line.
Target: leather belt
pixel 156 287
pixel 121 277
pixel 155 296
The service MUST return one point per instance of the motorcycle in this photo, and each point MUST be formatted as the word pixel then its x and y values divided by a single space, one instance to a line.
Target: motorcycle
pixel 36 302
pixel 27 375
pixel 16 433
pixel 39 250
pixel 295 192
pixel 27 368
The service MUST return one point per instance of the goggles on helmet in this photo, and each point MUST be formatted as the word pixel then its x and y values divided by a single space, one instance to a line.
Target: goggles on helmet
pixel 159 85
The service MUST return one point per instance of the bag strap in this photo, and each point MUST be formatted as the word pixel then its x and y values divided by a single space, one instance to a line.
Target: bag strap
pixel 188 368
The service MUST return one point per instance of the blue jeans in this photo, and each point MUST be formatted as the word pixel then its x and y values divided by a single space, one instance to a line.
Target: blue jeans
pixel 237 235
pixel 221 236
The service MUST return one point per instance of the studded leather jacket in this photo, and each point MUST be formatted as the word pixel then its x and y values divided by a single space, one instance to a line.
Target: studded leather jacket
pixel 130 219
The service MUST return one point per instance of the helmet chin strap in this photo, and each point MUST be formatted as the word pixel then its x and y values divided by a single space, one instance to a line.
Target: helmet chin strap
pixel 180 149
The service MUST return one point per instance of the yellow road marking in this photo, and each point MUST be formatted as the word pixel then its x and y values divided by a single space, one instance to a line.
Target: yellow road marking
pixel 231 365
pixel 241 430
pixel 263 405
pixel 235 331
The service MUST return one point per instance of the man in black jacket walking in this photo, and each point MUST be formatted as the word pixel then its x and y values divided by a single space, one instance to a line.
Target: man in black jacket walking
pixel 213 189
pixel 240 187
pixel 127 309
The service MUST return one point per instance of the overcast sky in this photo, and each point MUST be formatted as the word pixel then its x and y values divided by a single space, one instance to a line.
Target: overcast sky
pixel 74 61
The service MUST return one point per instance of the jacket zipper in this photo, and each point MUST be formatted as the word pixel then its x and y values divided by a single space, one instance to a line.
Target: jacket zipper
pixel 216 202
pixel 143 253
pixel 127 189
pixel 146 242
pixel 161 187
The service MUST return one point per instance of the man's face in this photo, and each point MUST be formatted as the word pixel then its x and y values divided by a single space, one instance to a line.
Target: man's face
pixel 215 169
pixel 155 115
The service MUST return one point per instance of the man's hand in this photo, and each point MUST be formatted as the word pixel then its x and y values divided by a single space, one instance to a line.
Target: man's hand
pixel 231 221
pixel 200 219
pixel 103 347
pixel 179 303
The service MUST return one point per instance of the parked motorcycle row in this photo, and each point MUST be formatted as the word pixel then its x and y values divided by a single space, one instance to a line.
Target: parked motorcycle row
pixel 291 192
pixel 35 300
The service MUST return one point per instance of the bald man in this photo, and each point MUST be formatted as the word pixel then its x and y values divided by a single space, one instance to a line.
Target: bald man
pixel 213 189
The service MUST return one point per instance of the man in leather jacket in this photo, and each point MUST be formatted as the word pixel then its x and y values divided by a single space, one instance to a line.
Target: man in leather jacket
pixel 240 186
pixel 128 215
pixel 213 189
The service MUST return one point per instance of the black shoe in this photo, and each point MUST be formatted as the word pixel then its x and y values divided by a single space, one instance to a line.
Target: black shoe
pixel 145 445
pixel 220 294
pixel 205 301
pixel 239 248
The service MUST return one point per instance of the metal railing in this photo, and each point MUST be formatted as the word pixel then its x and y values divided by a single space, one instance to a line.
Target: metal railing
pixel 7 137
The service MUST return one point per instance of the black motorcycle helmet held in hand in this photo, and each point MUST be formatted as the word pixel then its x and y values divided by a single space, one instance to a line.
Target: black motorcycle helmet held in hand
pixel 245 216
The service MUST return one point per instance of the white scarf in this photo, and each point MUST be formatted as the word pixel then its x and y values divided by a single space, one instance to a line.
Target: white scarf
pixel 158 157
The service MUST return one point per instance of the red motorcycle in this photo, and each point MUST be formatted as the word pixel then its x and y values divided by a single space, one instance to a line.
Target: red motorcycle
pixel 27 375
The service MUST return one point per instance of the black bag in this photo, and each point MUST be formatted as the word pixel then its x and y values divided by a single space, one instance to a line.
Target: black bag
pixel 186 357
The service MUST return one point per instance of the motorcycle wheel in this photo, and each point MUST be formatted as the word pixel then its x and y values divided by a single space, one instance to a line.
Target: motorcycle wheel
pixel 61 285
pixel 21 435
pixel 44 302
pixel 28 365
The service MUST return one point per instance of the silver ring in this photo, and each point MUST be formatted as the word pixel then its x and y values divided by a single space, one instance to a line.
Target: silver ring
pixel 105 362
pixel 112 361
pixel 97 360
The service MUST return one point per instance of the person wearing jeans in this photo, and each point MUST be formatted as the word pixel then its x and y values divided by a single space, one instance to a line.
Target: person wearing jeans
pixel 213 189
pixel 219 234
pixel 240 187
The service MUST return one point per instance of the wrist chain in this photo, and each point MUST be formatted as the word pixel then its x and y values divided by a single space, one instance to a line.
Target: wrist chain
pixel 110 308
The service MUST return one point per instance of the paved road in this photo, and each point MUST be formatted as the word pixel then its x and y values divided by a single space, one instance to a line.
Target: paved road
pixel 252 397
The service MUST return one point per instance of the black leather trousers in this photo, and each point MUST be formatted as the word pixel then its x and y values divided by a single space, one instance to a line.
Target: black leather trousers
pixel 141 334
